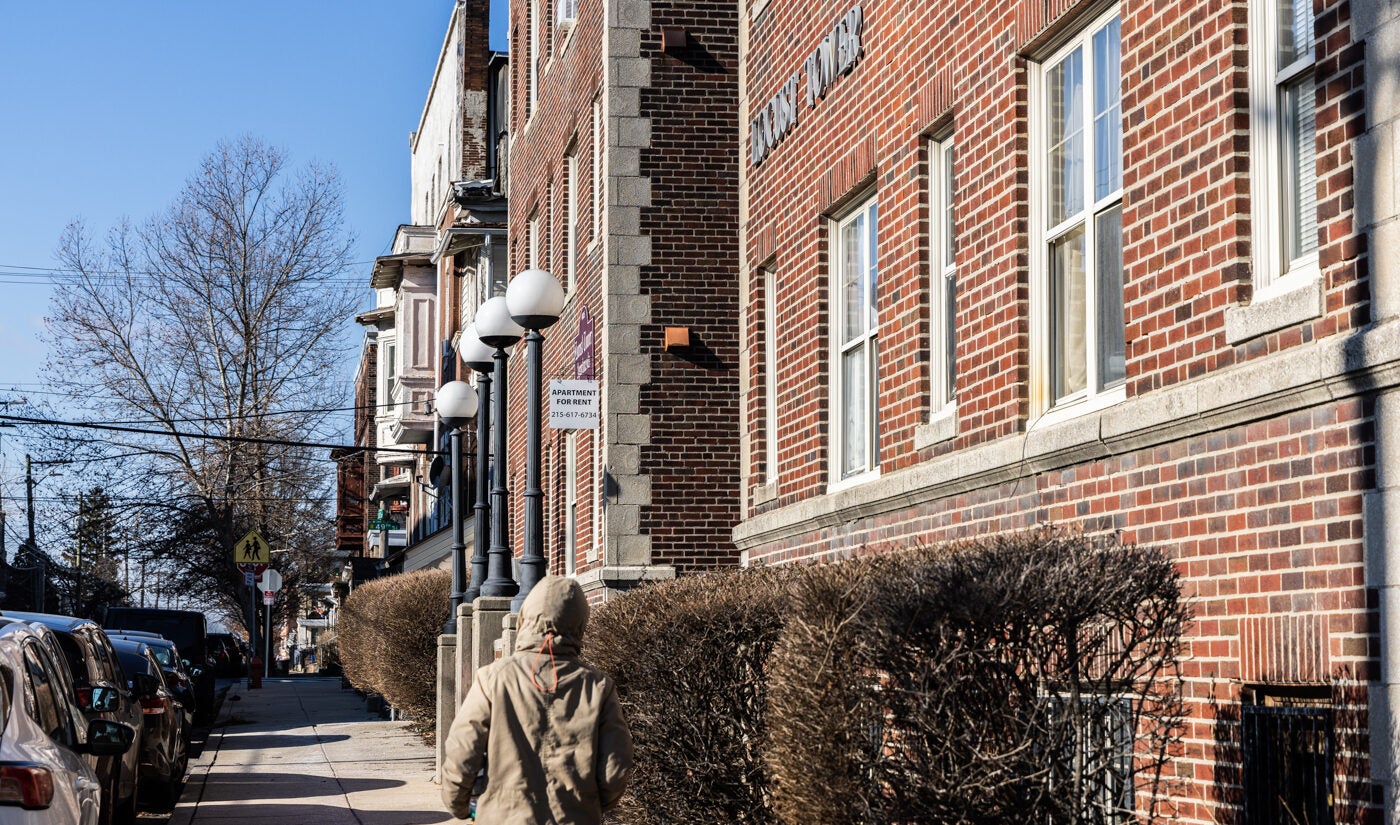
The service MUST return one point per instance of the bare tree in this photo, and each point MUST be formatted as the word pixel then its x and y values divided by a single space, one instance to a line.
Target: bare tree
pixel 218 318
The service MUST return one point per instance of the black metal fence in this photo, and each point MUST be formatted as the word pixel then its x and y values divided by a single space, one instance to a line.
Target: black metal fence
pixel 1287 765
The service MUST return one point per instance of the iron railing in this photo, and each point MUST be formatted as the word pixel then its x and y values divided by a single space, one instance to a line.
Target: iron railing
pixel 1287 765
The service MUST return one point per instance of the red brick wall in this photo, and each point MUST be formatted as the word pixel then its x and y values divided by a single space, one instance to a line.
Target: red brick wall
pixel 1265 522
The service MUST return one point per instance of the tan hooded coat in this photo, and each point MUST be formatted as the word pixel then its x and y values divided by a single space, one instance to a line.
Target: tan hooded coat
pixel 549 729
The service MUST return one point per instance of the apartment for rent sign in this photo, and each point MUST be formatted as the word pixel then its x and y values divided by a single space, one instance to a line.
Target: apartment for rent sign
pixel 836 55
pixel 573 405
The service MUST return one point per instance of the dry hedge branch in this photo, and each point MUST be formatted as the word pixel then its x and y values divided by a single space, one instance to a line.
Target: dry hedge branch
pixel 1014 679
pixel 388 633
pixel 688 657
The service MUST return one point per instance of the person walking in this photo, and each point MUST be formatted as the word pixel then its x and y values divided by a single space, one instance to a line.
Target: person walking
pixel 547 728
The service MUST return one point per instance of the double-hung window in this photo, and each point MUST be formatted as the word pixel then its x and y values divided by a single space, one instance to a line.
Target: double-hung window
pixel 568 11
pixel 534 241
pixel 1079 226
pixel 570 219
pixel 571 503
pixel 770 376
pixel 942 272
pixel 855 378
pixel 1283 143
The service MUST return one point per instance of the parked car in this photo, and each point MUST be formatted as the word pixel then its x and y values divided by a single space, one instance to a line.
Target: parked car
pixel 44 777
pixel 227 655
pixel 188 630
pixel 163 740
pixel 98 687
pixel 178 674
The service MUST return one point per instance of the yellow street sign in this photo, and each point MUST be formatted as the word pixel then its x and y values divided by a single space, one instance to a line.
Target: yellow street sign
pixel 251 549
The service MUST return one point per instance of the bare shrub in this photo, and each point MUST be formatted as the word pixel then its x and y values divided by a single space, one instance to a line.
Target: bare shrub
pixel 387 636
pixel 1023 678
pixel 688 657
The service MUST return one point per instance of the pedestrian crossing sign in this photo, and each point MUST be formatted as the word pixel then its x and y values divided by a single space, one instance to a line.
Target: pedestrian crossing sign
pixel 251 549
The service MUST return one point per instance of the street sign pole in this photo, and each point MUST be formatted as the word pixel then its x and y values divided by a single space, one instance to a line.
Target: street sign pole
pixel 267 640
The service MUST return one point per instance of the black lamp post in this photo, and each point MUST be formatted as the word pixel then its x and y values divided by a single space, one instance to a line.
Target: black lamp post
pixel 455 403
pixel 535 299
pixel 479 358
pixel 496 329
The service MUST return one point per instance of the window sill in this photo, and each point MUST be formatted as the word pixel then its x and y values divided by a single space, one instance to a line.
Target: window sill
pixel 942 426
pixel 1272 310
pixel 569 26
pixel 763 493
pixel 1082 406
pixel 853 481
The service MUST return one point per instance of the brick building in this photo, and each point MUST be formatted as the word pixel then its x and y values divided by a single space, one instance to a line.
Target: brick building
pixel 1130 267
pixel 442 263
pixel 624 184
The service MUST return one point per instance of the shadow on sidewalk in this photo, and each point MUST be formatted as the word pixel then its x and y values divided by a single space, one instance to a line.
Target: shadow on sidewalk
pixel 313 813
pixel 251 739
pixel 260 786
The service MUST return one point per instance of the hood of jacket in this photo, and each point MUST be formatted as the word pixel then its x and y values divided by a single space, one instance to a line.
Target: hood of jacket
pixel 556 605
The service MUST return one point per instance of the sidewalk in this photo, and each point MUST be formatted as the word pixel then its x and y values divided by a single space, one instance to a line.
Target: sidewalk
pixel 302 751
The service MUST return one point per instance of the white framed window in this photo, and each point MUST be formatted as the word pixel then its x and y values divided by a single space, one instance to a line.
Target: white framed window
pixel 598 493
pixel 855 333
pixel 1283 137
pixel 533 239
pixel 597 167
pixel 942 277
pixel 570 219
pixel 571 503
pixel 568 11
pixel 536 25
pixel 1077 257
pixel 770 376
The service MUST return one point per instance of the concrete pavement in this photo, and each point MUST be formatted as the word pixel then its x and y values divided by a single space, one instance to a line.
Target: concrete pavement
pixel 302 751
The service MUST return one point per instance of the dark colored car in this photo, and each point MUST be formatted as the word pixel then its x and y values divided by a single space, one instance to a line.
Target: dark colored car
pixel 179 677
pixel 164 737
pixel 98 687
pixel 227 655
pixel 188 630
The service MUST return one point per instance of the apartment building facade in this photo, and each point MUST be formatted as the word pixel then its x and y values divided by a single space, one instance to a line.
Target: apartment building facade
pixel 1134 268
pixel 623 184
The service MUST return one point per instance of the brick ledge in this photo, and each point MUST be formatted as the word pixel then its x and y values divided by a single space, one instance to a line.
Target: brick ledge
pixel 1316 373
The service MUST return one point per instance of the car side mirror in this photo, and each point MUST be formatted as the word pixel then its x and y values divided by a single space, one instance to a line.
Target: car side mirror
pixel 98 699
pixel 145 684
pixel 108 738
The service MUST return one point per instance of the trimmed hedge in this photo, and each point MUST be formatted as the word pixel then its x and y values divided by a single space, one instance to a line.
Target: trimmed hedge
pixel 387 637
pixel 688 657
pixel 989 682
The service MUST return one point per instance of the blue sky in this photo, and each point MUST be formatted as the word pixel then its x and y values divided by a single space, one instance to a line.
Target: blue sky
pixel 106 108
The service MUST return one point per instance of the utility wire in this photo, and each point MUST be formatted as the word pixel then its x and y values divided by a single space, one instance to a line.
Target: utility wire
pixel 94 425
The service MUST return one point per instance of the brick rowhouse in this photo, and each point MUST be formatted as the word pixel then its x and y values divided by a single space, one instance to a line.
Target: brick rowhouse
pixel 623 184
pixel 1171 313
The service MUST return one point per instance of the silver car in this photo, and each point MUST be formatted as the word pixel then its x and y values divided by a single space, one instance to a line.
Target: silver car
pixel 44 779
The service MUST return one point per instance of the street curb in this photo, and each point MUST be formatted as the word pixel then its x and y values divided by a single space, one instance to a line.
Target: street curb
pixel 198 773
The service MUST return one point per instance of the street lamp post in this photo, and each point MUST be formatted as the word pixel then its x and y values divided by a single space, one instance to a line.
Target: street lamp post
pixel 456 403
pixel 535 299
pixel 480 358
pixel 496 329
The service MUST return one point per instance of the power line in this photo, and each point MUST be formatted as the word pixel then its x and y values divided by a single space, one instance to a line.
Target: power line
pixel 94 425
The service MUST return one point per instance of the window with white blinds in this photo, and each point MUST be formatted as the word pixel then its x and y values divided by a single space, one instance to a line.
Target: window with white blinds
pixel 1283 142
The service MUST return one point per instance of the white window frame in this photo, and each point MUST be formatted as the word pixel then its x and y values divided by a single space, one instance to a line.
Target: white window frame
pixel 597 168
pixel 571 503
pixel 570 219
pixel 535 27
pixel 1276 189
pixel 864 215
pixel 568 12
pixel 598 492
pixel 770 375
pixel 533 241
pixel 1092 396
pixel 942 276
